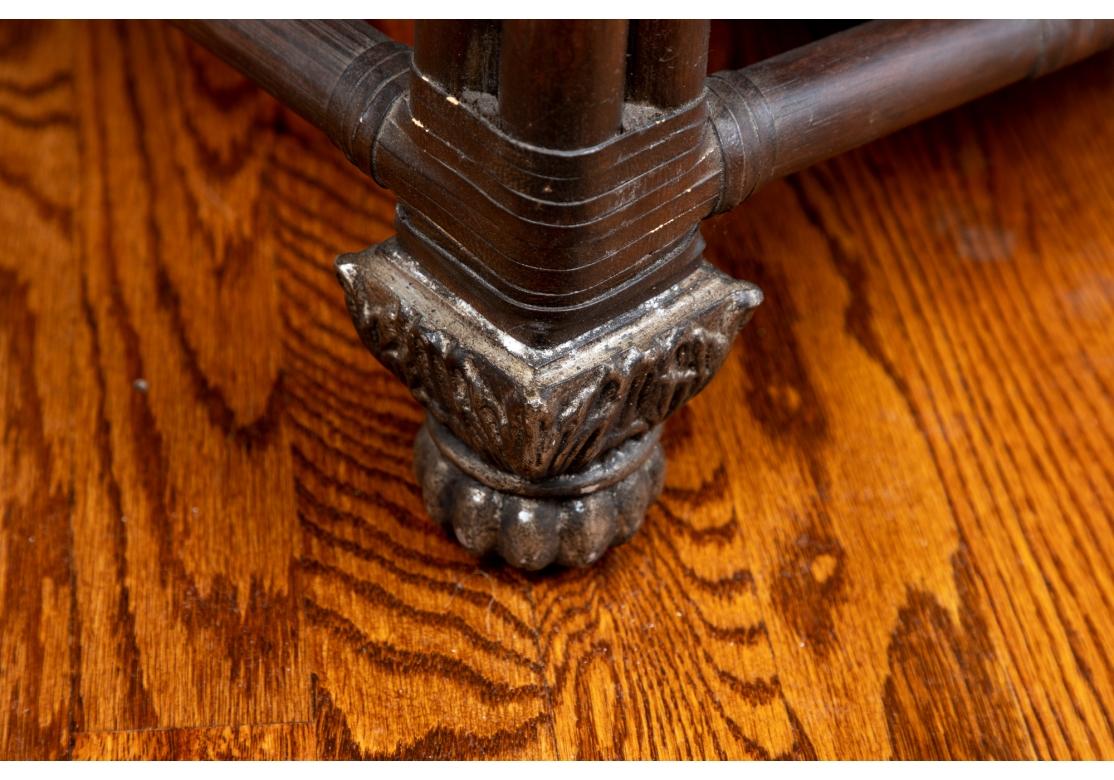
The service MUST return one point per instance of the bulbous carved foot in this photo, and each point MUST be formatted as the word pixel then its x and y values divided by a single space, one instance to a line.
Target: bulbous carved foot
pixel 541 454
pixel 572 519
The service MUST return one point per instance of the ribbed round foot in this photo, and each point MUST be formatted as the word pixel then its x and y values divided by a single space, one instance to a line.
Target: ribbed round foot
pixel 571 519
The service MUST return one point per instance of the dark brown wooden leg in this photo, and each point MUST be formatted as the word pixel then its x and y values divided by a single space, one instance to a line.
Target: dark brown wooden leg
pixel 545 297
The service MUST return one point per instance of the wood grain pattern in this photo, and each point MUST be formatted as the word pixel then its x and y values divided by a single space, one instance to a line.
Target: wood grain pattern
pixel 886 529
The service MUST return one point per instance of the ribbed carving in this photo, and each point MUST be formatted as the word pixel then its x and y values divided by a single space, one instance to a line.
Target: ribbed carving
pixel 532 532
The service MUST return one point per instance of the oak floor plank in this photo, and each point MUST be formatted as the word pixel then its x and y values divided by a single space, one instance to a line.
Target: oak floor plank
pixel 38 306
pixel 886 527
pixel 184 541
pixel 966 378
pixel 285 741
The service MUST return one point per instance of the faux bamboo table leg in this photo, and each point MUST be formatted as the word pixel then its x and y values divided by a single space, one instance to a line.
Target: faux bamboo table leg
pixel 545 297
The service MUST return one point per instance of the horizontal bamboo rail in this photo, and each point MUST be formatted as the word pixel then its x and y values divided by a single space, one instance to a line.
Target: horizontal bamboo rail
pixel 771 119
pixel 811 103
pixel 342 76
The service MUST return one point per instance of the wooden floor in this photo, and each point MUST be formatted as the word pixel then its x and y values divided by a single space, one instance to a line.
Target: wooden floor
pixel 887 526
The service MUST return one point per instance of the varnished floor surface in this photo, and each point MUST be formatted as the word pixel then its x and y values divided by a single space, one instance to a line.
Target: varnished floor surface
pixel 887 525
